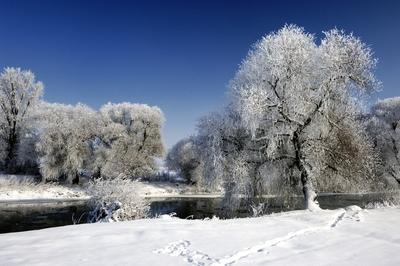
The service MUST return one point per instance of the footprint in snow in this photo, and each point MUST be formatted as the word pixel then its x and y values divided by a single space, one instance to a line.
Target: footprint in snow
pixel 181 248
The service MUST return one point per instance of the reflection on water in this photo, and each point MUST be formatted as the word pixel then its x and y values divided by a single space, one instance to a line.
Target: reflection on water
pixel 200 208
pixel 22 217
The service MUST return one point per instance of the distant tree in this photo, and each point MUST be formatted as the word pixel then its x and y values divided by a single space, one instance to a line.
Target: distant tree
pixel 383 125
pixel 19 92
pixel 185 158
pixel 66 140
pixel 131 140
pixel 298 100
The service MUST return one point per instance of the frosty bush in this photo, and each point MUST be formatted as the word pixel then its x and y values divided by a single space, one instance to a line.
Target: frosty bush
pixel 115 200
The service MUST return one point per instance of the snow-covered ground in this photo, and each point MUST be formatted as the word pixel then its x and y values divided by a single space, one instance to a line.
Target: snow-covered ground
pixel 25 188
pixel 166 189
pixel 336 237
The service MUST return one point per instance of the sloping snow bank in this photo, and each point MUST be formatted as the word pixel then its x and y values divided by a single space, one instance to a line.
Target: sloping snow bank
pixel 337 237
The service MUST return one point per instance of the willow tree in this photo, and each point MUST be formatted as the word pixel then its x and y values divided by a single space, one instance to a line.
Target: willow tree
pixel 298 94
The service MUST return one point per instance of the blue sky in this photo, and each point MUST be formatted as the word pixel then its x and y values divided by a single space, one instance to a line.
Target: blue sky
pixel 178 55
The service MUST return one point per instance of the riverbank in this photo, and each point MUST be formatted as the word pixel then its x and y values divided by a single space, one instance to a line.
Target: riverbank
pixel 14 188
pixel 336 237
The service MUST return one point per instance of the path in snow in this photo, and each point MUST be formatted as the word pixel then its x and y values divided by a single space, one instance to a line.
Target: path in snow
pixel 198 258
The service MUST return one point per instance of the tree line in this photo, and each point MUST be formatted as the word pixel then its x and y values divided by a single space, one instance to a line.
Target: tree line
pixel 65 142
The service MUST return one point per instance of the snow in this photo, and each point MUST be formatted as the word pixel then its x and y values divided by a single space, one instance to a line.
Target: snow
pixel 15 188
pixel 167 189
pixel 42 192
pixel 348 236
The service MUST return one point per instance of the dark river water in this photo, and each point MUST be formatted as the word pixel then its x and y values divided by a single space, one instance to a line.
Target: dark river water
pixel 15 217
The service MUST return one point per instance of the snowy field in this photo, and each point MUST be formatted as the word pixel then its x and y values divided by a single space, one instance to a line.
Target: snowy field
pixel 348 236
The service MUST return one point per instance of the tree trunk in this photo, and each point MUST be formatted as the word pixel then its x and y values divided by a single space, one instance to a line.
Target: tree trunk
pixel 10 160
pixel 12 141
pixel 75 180
pixel 310 197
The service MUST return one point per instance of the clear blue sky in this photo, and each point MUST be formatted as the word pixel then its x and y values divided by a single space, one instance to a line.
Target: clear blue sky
pixel 179 55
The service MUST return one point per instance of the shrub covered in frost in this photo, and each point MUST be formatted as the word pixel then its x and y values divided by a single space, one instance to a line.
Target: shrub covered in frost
pixel 115 200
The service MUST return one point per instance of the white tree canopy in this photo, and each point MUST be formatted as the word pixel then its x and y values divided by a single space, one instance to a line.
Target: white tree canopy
pixel 65 143
pixel 119 140
pixel 131 139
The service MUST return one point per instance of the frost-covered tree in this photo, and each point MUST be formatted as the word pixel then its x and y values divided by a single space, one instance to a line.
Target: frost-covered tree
pixel 19 92
pixel 384 127
pixel 66 140
pixel 185 158
pixel 131 140
pixel 300 97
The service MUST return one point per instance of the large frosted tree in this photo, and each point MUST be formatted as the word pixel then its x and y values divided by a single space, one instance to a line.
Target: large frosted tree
pixel 19 91
pixel 131 140
pixel 300 96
